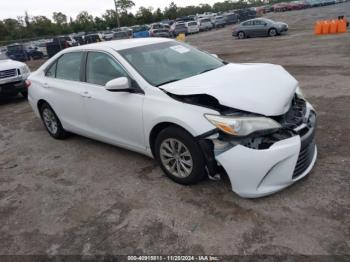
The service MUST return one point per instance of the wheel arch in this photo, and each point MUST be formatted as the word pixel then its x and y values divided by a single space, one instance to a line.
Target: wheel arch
pixel 158 128
pixel 40 104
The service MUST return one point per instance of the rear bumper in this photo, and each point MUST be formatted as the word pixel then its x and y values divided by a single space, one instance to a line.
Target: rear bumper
pixel 11 89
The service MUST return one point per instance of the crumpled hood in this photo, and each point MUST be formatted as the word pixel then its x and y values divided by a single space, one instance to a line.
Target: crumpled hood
pixel 258 88
pixel 10 64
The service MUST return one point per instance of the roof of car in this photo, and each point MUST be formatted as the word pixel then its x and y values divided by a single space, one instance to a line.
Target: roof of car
pixel 121 44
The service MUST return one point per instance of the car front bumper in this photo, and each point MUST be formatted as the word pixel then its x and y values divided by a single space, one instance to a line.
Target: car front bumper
pixel 10 89
pixel 259 172
pixel 256 173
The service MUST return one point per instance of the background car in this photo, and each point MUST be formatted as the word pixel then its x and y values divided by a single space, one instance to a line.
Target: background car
pixel 162 32
pixel 259 27
pixel 121 35
pixel 192 27
pixel 93 38
pixel 17 52
pixel 13 77
pixel 140 31
pixel 205 24
pixel 159 30
pixel 231 18
pixel 178 28
pixel 219 21
pixel 108 35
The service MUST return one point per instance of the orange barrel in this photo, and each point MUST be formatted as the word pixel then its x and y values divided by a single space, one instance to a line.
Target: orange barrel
pixel 325 27
pixel 318 28
pixel 342 26
pixel 333 27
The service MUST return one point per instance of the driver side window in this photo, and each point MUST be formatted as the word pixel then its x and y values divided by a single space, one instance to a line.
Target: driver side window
pixel 101 68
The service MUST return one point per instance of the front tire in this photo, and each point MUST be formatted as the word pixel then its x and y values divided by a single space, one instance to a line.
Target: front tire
pixel 179 156
pixel 241 35
pixel 272 32
pixel 51 122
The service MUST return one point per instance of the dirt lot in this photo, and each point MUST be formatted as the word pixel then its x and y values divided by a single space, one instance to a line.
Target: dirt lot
pixel 79 196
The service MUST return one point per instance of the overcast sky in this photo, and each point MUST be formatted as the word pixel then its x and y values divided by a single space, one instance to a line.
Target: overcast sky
pixel 14 8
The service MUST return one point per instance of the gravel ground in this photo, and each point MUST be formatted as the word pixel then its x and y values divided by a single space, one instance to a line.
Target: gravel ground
pixel 80 196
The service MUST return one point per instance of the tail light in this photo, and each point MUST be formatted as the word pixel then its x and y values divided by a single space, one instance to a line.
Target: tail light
pixel 27 83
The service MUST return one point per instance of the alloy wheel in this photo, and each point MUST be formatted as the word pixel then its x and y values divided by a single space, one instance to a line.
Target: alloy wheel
pixel 50 121
pixel 176 158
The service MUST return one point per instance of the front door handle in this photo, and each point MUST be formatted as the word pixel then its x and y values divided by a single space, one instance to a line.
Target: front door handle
pixel 46 85
pixel 86 94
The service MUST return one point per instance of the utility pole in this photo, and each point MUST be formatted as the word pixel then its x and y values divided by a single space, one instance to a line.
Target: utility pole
pixel 116 11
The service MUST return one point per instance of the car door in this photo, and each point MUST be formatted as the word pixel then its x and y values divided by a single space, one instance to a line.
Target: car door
pixel 248 28
pixel 113 117
pixel 64 91
pixel 259 28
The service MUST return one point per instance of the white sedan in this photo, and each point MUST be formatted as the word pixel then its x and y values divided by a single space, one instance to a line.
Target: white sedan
pixel 197 115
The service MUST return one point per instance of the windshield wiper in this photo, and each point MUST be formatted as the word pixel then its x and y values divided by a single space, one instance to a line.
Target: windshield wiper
pixel 168 82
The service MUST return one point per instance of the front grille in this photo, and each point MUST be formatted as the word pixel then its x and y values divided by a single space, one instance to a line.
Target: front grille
pixel 295 119
pixel 304 160
pixel 8 73
pixel 307 148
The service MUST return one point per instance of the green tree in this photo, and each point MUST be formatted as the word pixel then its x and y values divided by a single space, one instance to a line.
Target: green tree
pixel 170 12
pixel 59 18
pixel 122 6
pixel 144 15
pixel 84 22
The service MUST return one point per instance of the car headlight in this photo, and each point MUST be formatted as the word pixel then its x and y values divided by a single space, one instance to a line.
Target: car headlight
pixel 242 125
pixel 25 70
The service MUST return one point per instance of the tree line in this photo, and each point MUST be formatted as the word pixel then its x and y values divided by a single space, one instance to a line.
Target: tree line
pixel 26 27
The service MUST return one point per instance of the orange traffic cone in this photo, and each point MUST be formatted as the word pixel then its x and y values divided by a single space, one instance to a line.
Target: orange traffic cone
pixel 333 27
pixel 318 28
pixel 342 26
pixel 325 27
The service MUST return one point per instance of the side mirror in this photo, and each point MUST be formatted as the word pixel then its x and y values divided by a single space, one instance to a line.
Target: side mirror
pixel 215 55
pixel 121 84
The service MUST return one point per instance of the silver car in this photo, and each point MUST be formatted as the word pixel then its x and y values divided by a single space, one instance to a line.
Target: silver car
pixel 259 27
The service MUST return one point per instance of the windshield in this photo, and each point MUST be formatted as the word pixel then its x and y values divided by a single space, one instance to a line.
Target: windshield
pixel 169 62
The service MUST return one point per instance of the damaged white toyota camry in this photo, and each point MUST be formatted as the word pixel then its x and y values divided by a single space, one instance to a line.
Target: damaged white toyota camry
pixel 196 114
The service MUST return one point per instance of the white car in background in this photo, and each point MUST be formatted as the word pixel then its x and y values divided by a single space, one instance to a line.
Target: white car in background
pixel 194 113
pixel 205 24
pixel 13 77
pixel 192 27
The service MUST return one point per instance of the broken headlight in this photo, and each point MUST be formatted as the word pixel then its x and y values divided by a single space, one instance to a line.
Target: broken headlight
pixel 242 125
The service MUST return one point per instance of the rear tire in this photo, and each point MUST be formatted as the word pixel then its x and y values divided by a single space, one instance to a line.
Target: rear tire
pixel 52 123
pixel 272 32
pixel 179 156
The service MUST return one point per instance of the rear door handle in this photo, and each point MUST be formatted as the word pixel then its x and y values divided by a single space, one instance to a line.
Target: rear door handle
pixel 86 94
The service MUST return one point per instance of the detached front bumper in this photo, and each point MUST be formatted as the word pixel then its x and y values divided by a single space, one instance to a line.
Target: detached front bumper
pixel 256 173
pixel 260 172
